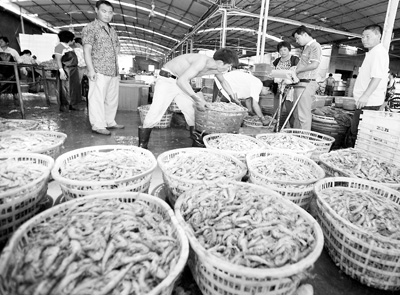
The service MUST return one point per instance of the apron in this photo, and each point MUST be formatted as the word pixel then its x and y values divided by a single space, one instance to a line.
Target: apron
pixel 70 89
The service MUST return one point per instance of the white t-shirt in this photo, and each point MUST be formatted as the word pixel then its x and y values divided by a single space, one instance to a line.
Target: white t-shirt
pixel 375 65
pixel 244 84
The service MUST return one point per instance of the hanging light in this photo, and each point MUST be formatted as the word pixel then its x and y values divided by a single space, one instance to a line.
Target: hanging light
pixel 152 13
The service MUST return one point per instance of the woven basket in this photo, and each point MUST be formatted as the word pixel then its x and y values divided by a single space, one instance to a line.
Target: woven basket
pixel 354 249
pixel 236 147
pixel 299 192
pixel 254 121
pixel 216 276
pixel 323 142
pixel 173 107
pixel 213 121
pixel 334 171
pixel 19 204
pixel 177 185
pixel 165 121
pixel 308 150
pixel 53 150
pixel 14 124
pixel 165 287
pixel 72 189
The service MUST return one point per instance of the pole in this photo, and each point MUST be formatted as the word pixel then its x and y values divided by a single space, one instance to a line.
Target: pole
pixel 259 28
pixel 264 28
pixel 389 22
pixel 22 21
pixel 224 21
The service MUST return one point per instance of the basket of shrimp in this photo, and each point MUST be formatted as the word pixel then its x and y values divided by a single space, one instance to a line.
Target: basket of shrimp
pixel 165 121
pixel 15 124
pixel 322 142
pixel 360 220
pixel 247 239
pixel 254 121
pixel 115 243
pixel 184 169
pixel 287 142
pixel 359 164
pixel 23 185
pixel 104 168
pixel 43 142
pixel 292 175
pixel 220 117
pixel 237 145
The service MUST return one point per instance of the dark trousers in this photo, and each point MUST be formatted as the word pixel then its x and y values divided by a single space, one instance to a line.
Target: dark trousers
pixel 351 135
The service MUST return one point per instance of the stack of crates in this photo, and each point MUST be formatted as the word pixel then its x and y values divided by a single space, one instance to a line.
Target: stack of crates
pixel 379 135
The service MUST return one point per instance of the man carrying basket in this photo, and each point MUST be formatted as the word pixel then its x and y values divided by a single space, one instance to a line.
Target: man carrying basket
pixel 173 83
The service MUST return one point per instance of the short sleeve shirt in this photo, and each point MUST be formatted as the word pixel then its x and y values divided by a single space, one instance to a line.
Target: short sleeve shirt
pixel 62 48
pixel 104 47
pixel 375 65
pixel 14 53
pixel 244 84
pixel 311 52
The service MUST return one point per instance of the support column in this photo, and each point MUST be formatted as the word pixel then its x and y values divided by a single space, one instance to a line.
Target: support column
pixel 389 22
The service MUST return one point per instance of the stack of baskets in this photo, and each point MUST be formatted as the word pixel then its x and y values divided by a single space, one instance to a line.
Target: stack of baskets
pixel 323 142
pixel 16 251
pixel 209 166
pixel 287 142
pixel 43 142
pixel 363 254
pixel 287 184
pixel 237 145
pixel 21 201
pixel 218 121
pixel 165 121
pixel 329 126
pixel 134 182
pixel 215 274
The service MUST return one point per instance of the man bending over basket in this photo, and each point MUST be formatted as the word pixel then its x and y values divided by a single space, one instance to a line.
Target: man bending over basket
pixel 173 83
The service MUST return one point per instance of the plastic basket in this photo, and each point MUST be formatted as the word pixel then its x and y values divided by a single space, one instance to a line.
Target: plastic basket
pixel 14 124
pixel 332 170
pixel 19 204
pixel 215 121
pixel 323 142
pixel 353 249
pixel 299 192
pixel 254 121
pixel 176 185
pixel 307 148
pixel 165 287
pixel 72 189
pixel 216 276
pixel 165 121
pixel 173 107
pixel 239 145
pixel 53 150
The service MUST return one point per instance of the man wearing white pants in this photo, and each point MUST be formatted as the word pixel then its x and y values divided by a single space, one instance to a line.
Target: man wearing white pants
pixel 101 49
pixel 174 83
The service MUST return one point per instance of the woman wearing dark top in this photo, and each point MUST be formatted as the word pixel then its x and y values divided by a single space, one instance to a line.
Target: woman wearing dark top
pixel 67 62
pixel 285 62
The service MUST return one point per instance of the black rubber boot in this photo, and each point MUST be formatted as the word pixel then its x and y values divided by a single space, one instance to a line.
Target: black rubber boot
pixel 197 137
pixel 144 136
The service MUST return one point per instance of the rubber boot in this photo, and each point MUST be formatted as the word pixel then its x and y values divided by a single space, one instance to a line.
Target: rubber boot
pixel 144 136
pixel 196 137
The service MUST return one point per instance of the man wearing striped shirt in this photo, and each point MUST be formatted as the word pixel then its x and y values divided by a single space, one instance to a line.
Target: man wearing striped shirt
pixel 307 73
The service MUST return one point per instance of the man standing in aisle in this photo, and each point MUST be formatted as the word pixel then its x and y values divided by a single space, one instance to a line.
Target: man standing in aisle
pixel 329 85
pixel 101 47
pixel 173 83
pixel 370 86
pixel 307 73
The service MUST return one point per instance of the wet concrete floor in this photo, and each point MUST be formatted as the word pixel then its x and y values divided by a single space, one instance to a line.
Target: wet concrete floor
pixel 326 277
